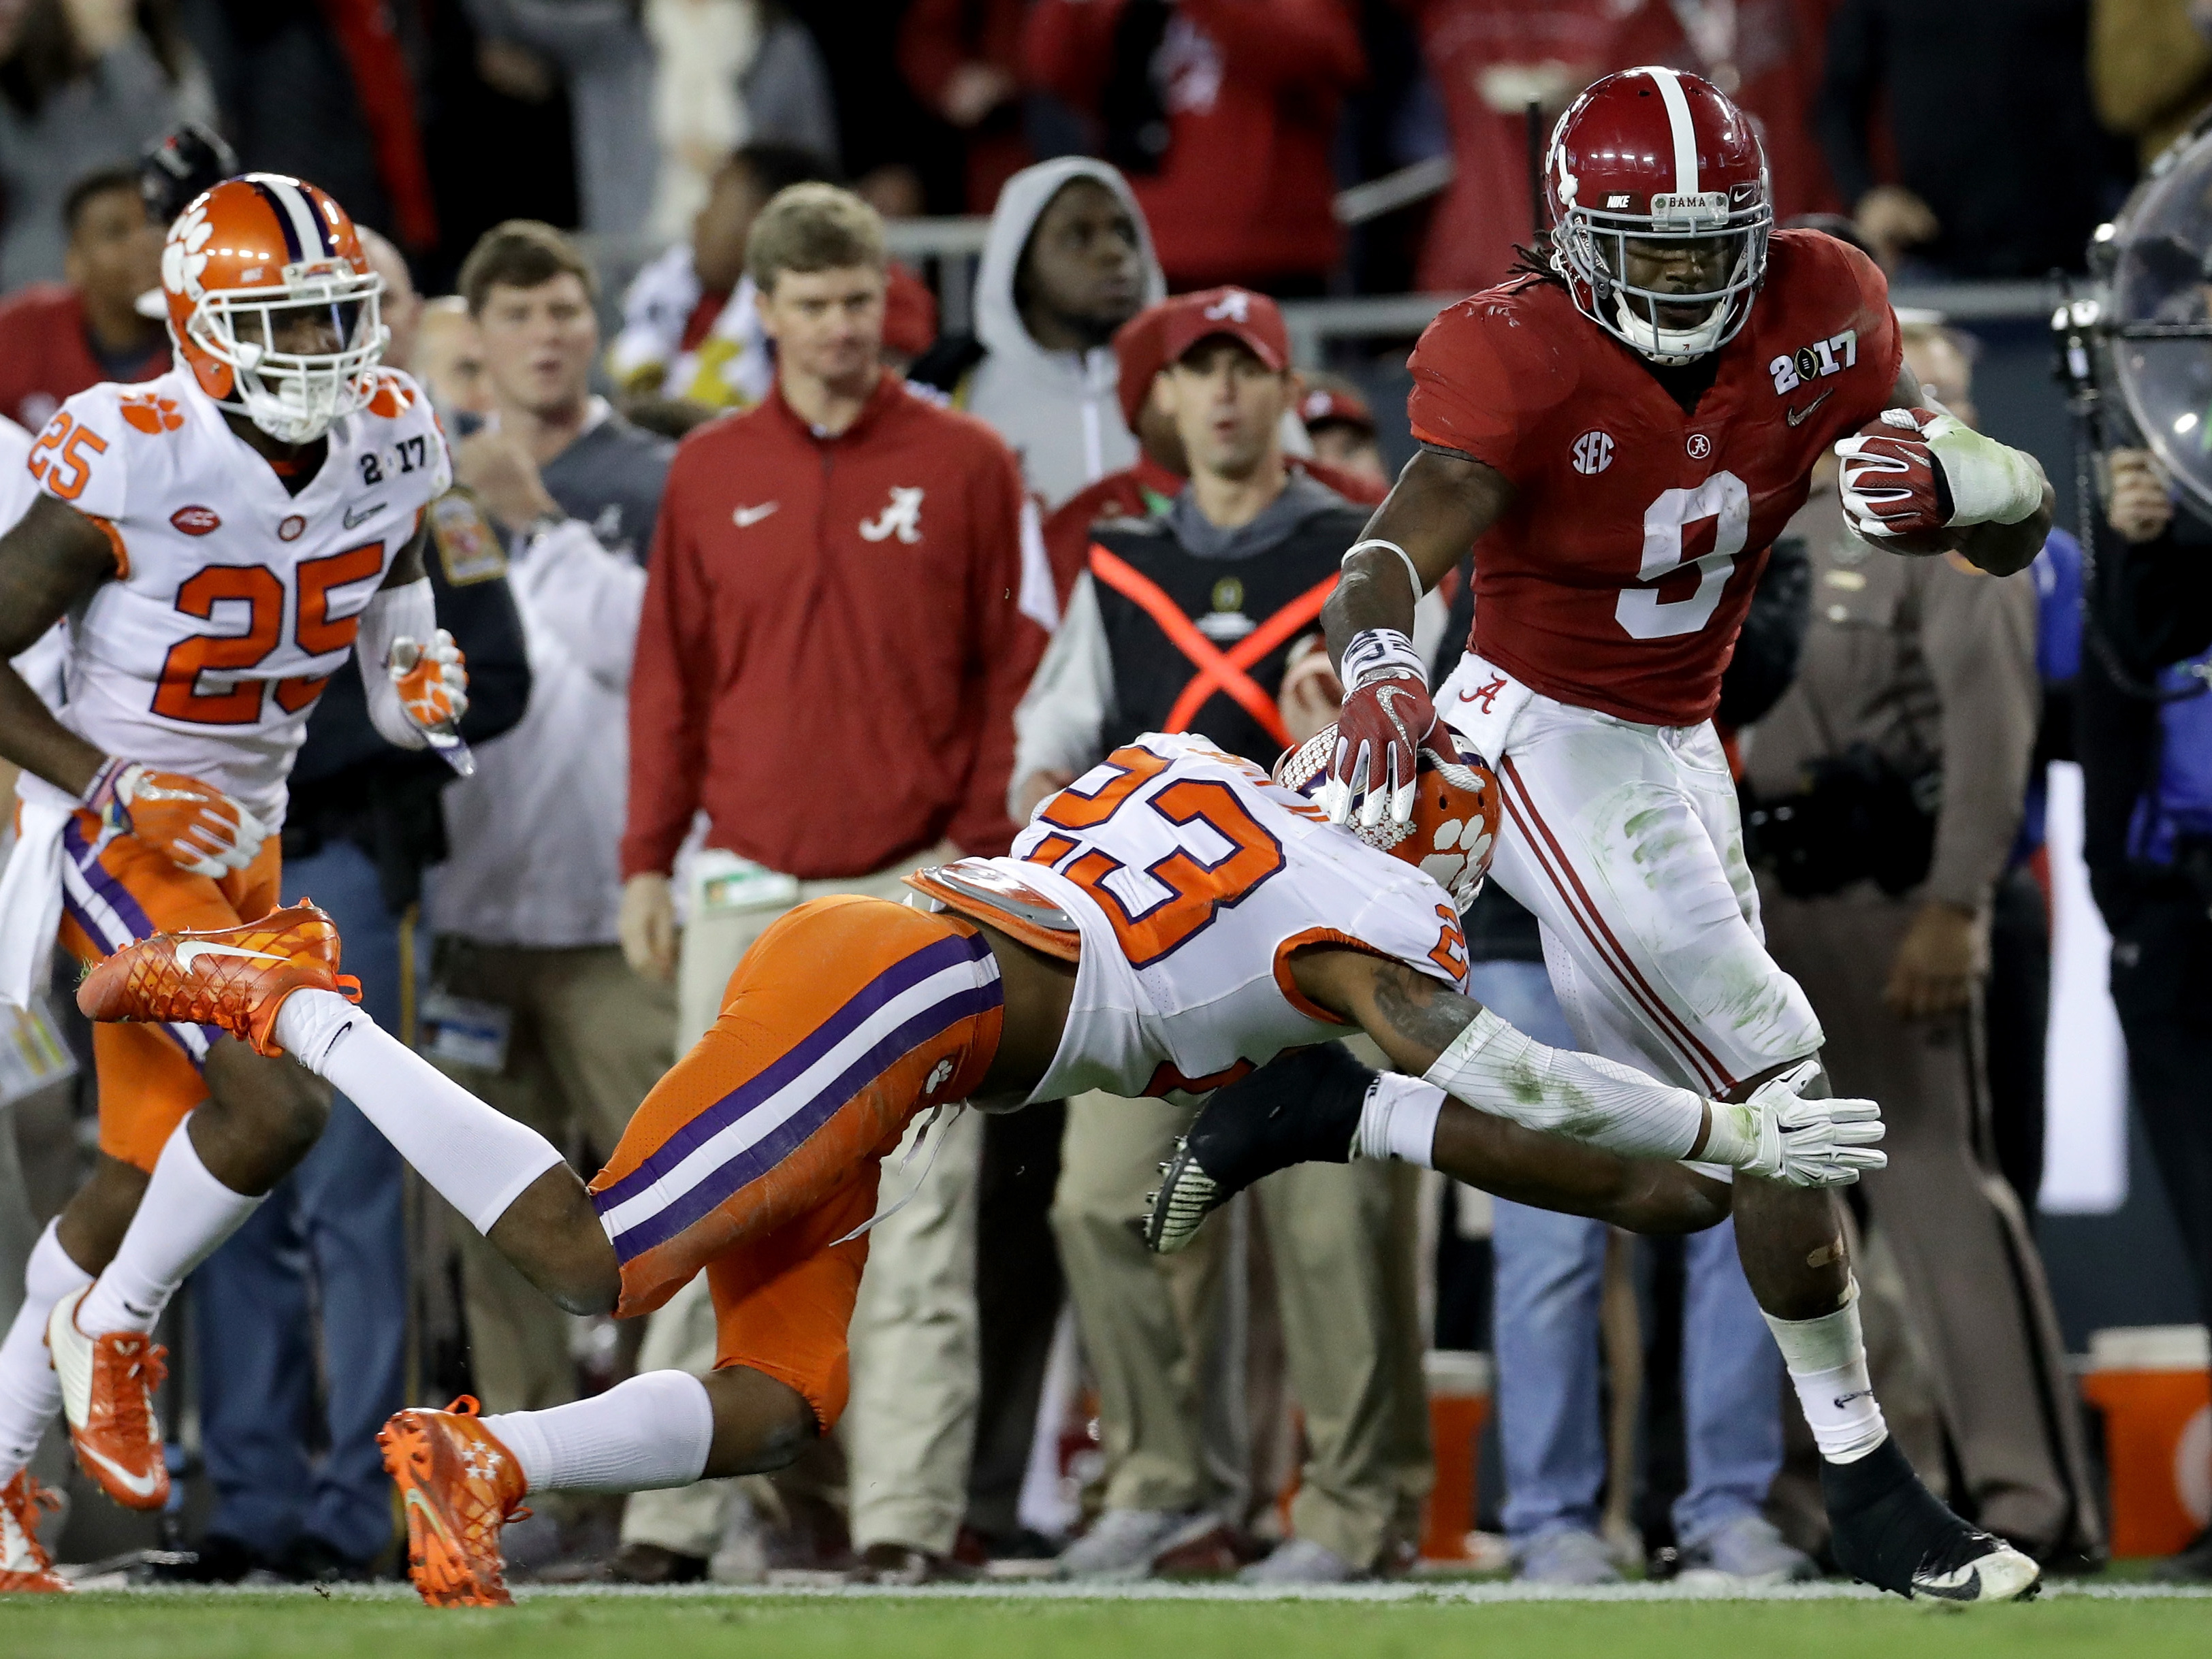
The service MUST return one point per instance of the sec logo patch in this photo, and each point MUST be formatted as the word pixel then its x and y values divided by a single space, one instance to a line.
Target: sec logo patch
pixel 1592 453
pixel 196 520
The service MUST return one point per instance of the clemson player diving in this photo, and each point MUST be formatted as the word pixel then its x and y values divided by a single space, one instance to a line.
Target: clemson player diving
pixel 219 540
pixel 1172 921
pixel 1619 434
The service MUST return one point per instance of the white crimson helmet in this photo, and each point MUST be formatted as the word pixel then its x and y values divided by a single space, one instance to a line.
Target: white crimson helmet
pixel 1454 824
pixel 1654 155
pixel 243 259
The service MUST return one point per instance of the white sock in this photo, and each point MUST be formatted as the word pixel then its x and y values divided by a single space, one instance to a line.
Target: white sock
pixel 1398 1120
pixel 30 1393
pixel 184 1216
pixel 653 1431
pixel 479 1159
pixel 1828 1363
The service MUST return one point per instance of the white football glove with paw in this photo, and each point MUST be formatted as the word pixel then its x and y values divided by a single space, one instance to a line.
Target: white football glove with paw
pixel 201 830
pixel 1800 1142
pixel 432 681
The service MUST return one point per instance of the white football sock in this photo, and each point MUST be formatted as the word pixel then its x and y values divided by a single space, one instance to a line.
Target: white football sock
pixel 653 1431
pixel 184 1216
pixel 479 1159
pixel 1398 1120
pixel 1828 1363
pixel 30 1393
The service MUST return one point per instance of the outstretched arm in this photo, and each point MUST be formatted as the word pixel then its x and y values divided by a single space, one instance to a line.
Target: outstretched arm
pixel 50 559
pixel 1550 1172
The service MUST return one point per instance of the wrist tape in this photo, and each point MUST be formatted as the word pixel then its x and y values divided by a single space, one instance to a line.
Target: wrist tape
pixel 1376 652
pixel 1497 1069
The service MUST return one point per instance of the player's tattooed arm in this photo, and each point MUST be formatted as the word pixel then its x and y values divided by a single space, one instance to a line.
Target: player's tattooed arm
pixel 2001 550
pixel 52 558
pixel 1551 1172
pixel 1441 503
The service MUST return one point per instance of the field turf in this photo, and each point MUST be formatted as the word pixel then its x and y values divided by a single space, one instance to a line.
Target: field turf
pixel 1397 1625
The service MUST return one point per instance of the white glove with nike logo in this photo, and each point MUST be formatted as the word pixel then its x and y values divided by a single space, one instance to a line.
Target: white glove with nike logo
pixel 1800 1142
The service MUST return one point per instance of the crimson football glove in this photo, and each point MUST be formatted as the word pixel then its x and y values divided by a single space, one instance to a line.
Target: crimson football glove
pixel 199 827
pixel 1891 482
pixel 1385 720
pixel 432 680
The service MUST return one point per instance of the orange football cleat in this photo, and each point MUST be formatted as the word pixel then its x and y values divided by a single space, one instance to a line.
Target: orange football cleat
pixel 233 977
pixel 25 1569
pixel 108 1384
pixel 458 1486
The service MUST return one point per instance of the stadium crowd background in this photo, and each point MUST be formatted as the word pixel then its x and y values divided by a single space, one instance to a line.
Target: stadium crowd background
pixel 1363 163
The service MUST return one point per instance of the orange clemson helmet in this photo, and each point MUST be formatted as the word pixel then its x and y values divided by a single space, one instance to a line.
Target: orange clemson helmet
pixel 1453 829
pixel 272 306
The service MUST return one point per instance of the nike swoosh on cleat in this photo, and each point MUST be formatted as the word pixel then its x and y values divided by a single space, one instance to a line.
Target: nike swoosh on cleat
pixel 747 517
pixel 1798 416
pixel 140 1485
pixel 415 1500
pixel 189 954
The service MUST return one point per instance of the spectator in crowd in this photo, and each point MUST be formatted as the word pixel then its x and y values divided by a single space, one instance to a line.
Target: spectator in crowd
pixel 449 360
pixel 964 61
pixel 2150 68
pixel 57 338
pixel 729 72
pixel 524 908
pixel 1341 427
pixel 2001 168
pixel 1248 549
pixel 1068 262
pixel 690 328
pixel 301 1317
pixel 1222 113
pixel 843 520
pixel 325 93
pixel 81 86
pixel 1889 781
pixel 2144 736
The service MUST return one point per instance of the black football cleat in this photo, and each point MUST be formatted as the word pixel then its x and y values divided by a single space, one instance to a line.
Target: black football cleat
pixel 1302 1108
pixel 1893 1533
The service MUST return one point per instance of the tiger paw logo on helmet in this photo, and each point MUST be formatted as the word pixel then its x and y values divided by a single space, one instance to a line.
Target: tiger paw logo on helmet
pixel 183 261
pixel 150 412
pixel 1454 827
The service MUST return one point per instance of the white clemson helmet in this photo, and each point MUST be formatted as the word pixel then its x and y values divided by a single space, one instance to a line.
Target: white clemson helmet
pixel 1456 818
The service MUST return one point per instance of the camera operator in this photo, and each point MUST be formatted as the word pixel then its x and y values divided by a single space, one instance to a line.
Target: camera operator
pixel 2144 734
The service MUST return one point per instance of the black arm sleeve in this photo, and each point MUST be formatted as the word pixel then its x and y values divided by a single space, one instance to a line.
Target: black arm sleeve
pixel 1773 636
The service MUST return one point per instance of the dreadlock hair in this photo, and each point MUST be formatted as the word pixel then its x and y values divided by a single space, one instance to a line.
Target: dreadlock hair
pixel 1534 259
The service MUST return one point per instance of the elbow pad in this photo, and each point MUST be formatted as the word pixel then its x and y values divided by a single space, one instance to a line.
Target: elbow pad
pixel 392 613
pixel 1497 1069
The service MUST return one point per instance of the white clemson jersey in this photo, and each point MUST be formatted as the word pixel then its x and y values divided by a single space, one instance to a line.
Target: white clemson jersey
pixel 234 601
pixel 1193 876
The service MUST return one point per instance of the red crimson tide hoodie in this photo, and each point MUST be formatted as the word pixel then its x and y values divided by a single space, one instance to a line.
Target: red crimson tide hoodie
pixel 833 640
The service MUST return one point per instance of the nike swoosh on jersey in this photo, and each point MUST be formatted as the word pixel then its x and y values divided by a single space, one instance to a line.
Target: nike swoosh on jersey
pixel 1797 416
pixel 747 517
pixel 364 515
pixel 139 1485
pixel 189 954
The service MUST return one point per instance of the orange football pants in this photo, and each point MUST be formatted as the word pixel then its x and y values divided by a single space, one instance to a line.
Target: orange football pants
pixel 115 889
pixel 757 1158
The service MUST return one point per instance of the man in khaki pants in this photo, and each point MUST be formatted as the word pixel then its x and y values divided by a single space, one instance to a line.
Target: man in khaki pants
pixel 844 605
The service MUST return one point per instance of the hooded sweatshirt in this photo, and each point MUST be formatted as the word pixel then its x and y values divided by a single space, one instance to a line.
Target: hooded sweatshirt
pixel 1056 410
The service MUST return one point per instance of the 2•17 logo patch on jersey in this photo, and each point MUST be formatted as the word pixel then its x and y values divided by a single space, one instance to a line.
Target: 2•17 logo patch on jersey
pixel 1814 361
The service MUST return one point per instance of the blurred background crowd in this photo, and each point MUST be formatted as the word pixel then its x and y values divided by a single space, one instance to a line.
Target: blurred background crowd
pixel 1359 1369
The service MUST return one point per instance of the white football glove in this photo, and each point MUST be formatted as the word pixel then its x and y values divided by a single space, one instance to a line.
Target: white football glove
pixel 432 681
pixel 1799 1142
pixel 201 830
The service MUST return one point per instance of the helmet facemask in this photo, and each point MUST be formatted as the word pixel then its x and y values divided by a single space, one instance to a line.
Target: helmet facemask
pixel 1591 247
pixel 294 395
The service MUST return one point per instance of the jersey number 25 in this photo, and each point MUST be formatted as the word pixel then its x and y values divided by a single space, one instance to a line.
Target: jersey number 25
pixel 179 696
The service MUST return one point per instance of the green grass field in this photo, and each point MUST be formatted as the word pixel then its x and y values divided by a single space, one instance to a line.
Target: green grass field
pixel 757 1624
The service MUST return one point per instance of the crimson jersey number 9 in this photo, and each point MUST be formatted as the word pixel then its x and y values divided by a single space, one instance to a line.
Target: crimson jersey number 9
pixel 179 696
pixel 1196 889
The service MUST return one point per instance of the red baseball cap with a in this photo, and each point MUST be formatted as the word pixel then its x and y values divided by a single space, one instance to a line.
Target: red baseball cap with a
pixel 1253 319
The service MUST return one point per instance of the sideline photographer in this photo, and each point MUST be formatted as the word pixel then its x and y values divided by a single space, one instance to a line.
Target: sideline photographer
pixel 1889 783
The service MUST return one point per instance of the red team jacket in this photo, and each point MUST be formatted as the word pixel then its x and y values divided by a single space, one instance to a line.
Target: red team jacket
pixel 1619 576
pixel 830 650
pixel 45 358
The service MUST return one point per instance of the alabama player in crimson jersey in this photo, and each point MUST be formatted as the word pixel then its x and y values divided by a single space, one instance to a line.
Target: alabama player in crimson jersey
pixel 1171 920
pixel 1618 434
pixel 220 540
